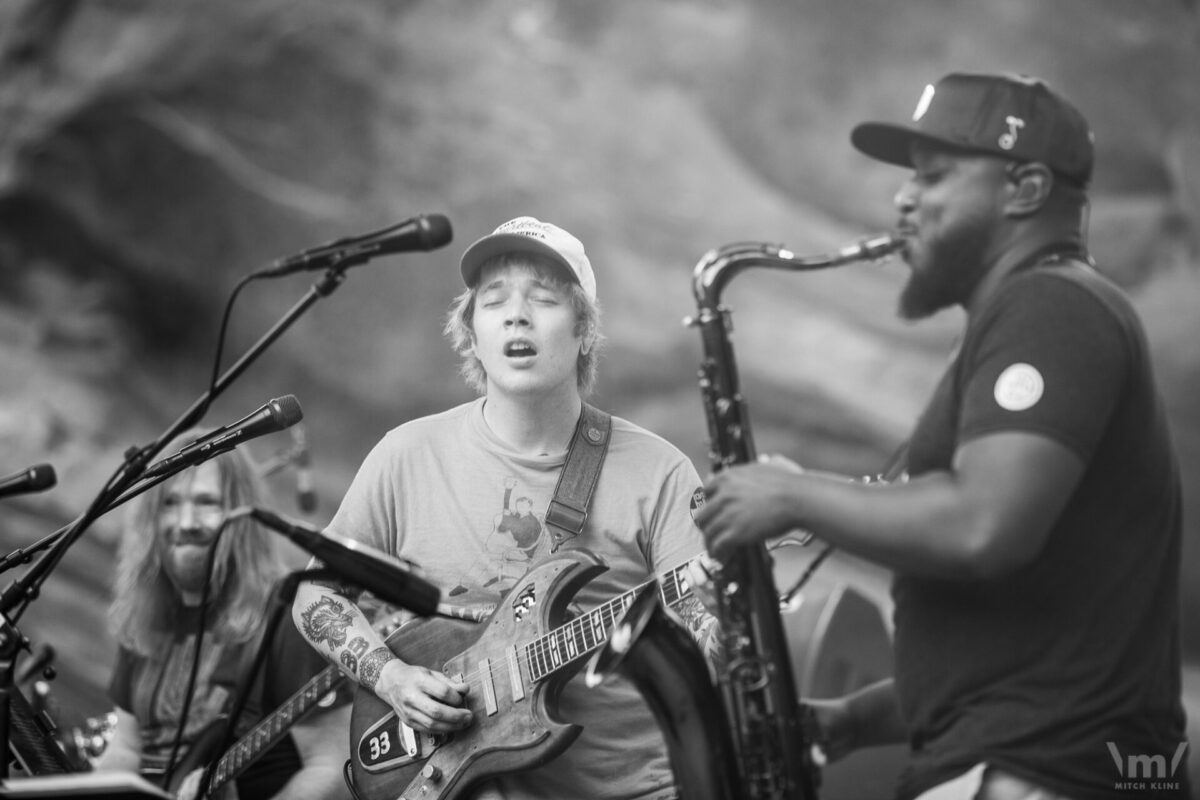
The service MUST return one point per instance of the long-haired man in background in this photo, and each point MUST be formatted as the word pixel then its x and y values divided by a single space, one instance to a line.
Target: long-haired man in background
pixel 159 600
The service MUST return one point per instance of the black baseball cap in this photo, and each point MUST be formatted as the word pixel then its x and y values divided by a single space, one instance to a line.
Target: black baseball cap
pixel 1013 116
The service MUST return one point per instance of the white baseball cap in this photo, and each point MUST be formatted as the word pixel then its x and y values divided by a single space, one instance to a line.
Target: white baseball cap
pixel 530 235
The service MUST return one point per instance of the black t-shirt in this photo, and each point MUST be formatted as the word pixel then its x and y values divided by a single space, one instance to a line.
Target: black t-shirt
pixel 152 690
pixel 1063 668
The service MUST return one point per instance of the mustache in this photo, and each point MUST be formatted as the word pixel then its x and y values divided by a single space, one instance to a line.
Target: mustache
pixel 194 536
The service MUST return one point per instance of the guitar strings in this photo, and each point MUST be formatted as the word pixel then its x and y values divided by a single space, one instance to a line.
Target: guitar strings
pixel 540 651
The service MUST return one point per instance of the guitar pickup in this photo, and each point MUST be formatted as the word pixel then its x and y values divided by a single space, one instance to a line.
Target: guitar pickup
pixel 389 744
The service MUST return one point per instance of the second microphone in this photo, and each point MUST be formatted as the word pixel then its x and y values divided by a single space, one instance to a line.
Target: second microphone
pixel 276 415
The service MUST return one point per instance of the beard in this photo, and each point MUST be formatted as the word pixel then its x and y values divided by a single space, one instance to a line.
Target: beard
pixel 944 272
pixel 926 293
pixel 186 567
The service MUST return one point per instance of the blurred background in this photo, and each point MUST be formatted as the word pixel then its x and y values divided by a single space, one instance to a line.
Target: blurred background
pixel 151 154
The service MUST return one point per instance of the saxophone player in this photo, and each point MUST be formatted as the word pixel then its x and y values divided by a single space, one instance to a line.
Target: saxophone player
pixel 1036 541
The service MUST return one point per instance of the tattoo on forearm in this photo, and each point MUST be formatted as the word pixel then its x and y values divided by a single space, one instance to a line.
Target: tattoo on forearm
pixel 692 612
pixel 712 644
pixel 353 652
pixel 372 664
pixel 704 629
pixel 326 621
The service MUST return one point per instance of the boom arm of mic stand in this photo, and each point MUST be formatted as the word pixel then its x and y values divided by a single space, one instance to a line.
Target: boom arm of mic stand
pixel 291 582
pixel 26 586
pixel 332 278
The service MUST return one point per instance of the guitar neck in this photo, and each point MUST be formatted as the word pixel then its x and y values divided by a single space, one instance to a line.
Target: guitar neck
pixel 272 728
pixel 568 643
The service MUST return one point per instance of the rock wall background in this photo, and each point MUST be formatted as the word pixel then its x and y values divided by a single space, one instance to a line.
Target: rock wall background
pixel 151 154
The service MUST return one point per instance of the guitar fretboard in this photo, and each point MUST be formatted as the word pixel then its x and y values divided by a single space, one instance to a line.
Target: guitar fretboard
pixel 271 728
pixel 585 633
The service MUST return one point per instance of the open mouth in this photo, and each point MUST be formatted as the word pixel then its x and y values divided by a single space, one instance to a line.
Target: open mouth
pixel 519 349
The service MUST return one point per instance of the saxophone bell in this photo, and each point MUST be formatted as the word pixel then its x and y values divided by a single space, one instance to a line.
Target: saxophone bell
pixel 652 648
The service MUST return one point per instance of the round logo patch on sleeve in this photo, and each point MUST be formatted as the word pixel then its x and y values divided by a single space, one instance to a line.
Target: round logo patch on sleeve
pixel 1019 387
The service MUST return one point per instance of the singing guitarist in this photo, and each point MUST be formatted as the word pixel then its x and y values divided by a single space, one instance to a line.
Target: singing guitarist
pixel 156 610
pixel 527 328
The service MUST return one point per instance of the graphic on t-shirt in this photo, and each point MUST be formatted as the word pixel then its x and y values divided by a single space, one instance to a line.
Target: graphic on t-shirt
pixel 517 539
pixel 167 698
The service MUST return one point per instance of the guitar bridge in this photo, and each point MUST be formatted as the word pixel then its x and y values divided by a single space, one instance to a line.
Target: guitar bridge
pixel 389 744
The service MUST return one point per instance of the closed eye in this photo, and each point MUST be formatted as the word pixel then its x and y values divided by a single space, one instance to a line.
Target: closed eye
pixel 929 177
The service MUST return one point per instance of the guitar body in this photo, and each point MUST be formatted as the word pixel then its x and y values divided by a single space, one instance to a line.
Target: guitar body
pixel 515 718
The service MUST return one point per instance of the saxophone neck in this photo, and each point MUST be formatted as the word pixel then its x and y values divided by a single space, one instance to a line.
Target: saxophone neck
pixel 873 248
pixel 718 266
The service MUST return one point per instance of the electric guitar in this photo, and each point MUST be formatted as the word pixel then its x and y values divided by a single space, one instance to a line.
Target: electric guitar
pixel 516 663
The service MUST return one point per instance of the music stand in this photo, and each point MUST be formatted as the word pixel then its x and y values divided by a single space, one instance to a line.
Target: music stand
pixel 109 785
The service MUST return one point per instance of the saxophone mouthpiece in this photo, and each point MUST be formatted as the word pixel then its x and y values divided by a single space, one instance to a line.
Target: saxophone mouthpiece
pixel 873 248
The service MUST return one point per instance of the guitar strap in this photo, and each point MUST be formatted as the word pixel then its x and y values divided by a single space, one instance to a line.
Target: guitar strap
pixel 568 509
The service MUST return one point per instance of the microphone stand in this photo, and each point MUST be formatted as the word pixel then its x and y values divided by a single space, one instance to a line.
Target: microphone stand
pixel 10 645
pixel 281 599
pixel 25 589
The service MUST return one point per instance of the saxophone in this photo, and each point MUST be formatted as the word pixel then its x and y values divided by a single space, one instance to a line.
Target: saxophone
pixel 761 725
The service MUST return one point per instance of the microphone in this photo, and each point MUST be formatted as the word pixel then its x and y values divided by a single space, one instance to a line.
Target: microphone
pixel 384 576
pixel 306 494
pixel 31 479
pixel 423 232
pixel 282 412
